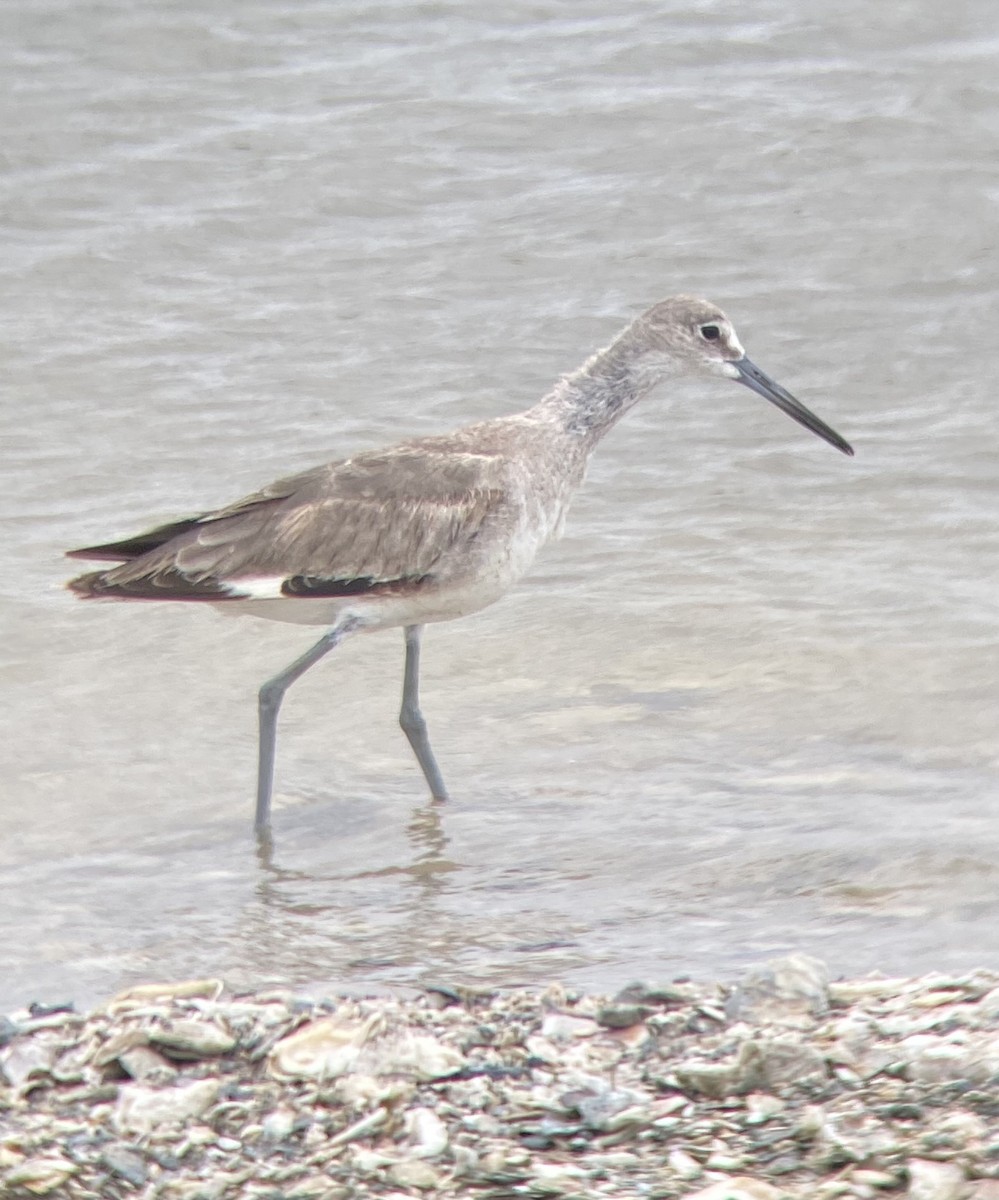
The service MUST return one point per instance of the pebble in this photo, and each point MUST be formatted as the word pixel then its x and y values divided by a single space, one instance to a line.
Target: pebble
pixel 622 1016
pixel 761 1107
pixel 126 1163
pixel 684 1165
pixel 278 1125
pixel 738 1188
pixel 414 1172
pixel 934 1180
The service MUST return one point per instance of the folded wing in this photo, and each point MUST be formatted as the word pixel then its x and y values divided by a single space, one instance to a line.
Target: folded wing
pixel 371 523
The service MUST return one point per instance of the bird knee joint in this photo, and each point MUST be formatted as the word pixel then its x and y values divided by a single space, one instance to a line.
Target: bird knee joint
pixel 411 720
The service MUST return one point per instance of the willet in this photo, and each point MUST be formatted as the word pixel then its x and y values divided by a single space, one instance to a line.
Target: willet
pixel 428 530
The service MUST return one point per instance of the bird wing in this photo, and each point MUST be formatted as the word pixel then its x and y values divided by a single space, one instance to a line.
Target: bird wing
pixel 375 521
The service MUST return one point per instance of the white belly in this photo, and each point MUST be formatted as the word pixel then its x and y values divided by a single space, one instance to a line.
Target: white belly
pixel 420 605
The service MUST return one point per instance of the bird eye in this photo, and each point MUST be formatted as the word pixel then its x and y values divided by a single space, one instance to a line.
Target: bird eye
pixel 710 333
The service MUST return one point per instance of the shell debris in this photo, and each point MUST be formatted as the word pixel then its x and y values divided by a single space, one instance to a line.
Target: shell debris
pixel 785 1087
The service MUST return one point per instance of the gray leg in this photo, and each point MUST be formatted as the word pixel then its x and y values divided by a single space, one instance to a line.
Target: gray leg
pixel 411 719
pixel 271 695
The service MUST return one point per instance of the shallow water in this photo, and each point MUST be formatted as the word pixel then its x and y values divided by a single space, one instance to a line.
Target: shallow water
pixel 748 704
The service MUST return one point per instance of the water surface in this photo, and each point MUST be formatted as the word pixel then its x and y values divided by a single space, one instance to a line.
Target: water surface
pixel 747 705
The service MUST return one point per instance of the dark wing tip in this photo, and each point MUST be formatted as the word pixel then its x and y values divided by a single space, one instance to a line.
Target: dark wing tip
pixel 134 547
pixel 163 585
pixel 107 553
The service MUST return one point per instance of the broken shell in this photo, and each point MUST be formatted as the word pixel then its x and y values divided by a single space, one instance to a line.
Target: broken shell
pixel 40 1176
pixel 147 1065
pixel 141 1109
pixel 416 1056
pixel 792 990
pixel 28 1059
pixel 414 1173
pixel 427 1133
pixel 190 1040
pixel 163 993
pixel 323 1049
pixel 558 1027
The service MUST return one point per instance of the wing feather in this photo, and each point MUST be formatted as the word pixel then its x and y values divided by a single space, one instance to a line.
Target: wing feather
pixel 375 520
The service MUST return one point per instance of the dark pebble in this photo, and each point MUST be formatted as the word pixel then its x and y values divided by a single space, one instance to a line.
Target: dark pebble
pixel 621 1016
pixel 49 1010
pixel 119 1160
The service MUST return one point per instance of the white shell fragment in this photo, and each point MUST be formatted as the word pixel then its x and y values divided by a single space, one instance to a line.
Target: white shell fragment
pixel 414 1056
pixel 789 991
pixel 324 1049
pixel 738 1187
pixel 191 1039
pixel 40 1176
pixel 142 1109
pixel 146 994
pixel 934 1180
pixel 426 1133
pixel 28 1059
pixel 332 1047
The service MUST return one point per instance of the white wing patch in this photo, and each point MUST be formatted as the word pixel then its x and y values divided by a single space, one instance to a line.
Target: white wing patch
pixel 257 587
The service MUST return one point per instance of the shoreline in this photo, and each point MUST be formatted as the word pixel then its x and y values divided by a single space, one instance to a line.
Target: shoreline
pixel 785 1085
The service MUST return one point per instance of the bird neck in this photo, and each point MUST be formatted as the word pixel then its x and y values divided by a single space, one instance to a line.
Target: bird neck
pixel 591 400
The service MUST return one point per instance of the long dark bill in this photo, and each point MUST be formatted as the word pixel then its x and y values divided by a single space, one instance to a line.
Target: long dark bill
pixel 763 385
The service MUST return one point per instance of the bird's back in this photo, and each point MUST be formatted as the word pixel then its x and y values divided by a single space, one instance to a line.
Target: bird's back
pixel 434 513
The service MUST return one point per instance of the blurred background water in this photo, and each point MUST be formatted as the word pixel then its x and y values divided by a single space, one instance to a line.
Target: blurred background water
pixel 748 704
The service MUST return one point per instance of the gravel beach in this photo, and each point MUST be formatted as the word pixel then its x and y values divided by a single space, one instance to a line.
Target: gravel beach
pixel 785 1085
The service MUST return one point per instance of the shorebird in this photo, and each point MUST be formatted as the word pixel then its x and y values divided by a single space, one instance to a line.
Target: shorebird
pixel 428 530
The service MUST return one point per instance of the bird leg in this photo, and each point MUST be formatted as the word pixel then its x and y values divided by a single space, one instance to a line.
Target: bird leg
pixel 411 719
pixel 270 697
